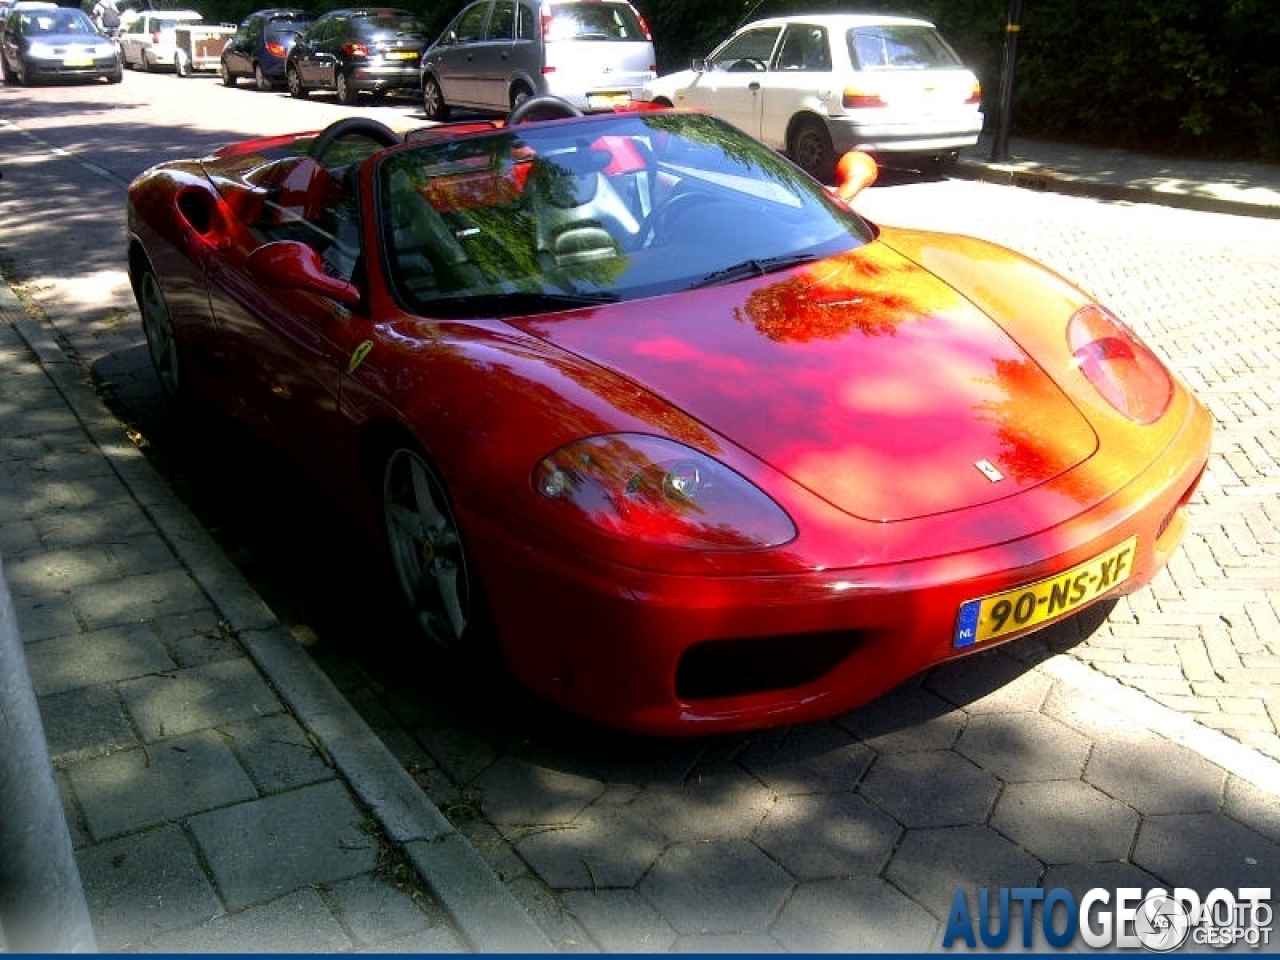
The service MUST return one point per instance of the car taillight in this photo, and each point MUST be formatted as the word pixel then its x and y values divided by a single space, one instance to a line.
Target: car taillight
pixel 276 48
pixel 855 99
pixel 975 95
pixel 355 49
pixel 155 38
pixel 644 26
pixel 1119 365
pixel 660 492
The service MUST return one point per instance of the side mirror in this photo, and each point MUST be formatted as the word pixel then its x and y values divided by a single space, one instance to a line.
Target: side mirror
pixel 855 171
pixel 289 263
pixel 698 65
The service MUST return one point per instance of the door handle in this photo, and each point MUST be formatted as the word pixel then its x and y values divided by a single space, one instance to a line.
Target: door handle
pixel 754 86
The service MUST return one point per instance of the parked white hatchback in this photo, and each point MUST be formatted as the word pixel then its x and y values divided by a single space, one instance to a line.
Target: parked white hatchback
pixel 817 86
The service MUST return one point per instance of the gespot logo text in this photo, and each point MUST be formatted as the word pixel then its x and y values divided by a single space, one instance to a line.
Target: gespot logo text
pixel 1128 917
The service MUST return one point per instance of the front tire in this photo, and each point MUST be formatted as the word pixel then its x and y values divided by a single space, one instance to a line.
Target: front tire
pixel 427 553
pixel 162 342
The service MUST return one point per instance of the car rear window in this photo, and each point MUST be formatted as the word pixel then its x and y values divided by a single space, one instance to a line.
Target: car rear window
pixel 390 23
pixel 594 21
pixel 899 47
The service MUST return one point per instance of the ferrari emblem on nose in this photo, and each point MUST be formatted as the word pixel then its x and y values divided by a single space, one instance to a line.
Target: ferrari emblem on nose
pixel 989 470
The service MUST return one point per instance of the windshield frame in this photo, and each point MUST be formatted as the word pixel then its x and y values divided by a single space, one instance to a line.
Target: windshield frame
pixel 464 220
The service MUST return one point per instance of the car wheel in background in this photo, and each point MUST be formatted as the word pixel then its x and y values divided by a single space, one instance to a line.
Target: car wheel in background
pixel 294 82
pixel 228 80
pixel 433 104
pixel 260 79
pixel 427 553
pixel 347 94
pixel 809 147
pixel 181 63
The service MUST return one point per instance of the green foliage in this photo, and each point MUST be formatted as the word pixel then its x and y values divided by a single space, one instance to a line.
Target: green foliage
pixel 1190 76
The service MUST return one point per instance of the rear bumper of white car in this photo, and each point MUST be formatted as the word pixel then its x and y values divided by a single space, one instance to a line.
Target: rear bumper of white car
pixel 906 136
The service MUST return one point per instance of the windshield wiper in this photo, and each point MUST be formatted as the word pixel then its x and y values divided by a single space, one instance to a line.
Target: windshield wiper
pixel 755 267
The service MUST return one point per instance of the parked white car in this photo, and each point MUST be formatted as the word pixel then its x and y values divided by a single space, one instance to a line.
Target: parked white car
pixel 817 86
pixel 149 40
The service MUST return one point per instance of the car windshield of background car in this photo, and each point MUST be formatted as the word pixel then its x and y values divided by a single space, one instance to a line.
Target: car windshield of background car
pixel 527 218
pixel 903 47
pixel 747 51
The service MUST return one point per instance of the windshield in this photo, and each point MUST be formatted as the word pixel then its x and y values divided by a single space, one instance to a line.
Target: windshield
pixel 545 215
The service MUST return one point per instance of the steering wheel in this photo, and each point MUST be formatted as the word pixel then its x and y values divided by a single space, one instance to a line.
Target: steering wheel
pixel 668 212
pixel 373 130
pixel 542 108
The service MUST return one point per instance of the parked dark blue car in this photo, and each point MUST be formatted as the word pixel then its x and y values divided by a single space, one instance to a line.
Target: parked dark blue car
pixel 261 43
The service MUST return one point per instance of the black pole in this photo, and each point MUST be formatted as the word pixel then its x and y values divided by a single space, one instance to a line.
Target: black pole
pixel 1004 116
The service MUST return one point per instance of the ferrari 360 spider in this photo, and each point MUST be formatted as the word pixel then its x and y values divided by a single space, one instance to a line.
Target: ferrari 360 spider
pixel 636 401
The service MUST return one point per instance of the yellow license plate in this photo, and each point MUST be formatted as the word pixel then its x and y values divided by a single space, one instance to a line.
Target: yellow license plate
pixel 600 100
pixel 989 618
pixel 402 55
pixel 78 62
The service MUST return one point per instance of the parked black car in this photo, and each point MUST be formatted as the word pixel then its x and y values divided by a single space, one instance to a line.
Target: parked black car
pixel 372 49
pixel 261 46
pixel 56 43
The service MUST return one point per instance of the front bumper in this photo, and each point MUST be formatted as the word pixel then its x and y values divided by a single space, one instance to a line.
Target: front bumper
pixel 678 654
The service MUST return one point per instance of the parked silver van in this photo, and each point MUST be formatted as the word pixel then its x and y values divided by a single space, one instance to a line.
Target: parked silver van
pixel 594 53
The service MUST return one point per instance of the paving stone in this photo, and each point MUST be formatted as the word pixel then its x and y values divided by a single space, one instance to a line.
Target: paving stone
pixel 104 656
pixel 166 780
pixel 724 886
pixel 1065 821
pixel 263 848
pixel 86 722
pixel 198 698
pixel 296 923
pixel 853 915
pixel 1153 775
pixel 602 847
pixel 516 791
pixel 1023 746
pixel 931 865
pixel 144 884
pixel 1256 808
pixel 738 944
pixel 146 596
pixel 1080 878
pixel 620 921
pixel 276 752
pixel 907 718
pixel 718 802
pixel 374 911
pixel 1203 851
pixel 930 789
pixel 990 682
pixel 828 835
pixel 811 758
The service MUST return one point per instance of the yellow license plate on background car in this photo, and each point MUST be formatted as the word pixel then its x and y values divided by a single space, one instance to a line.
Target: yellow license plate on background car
pixel 77 62
pixel 599 101
pixel 989 618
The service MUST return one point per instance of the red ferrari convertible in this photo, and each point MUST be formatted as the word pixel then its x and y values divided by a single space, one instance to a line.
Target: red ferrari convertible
pixel 635 400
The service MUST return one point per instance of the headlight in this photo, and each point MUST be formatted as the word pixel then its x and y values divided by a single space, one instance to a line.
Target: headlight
pixel 40 49
pixel 1119 365
pixel 660 492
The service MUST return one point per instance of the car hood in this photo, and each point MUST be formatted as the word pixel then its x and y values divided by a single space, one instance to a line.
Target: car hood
pixel 70 40
pixel 864 378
